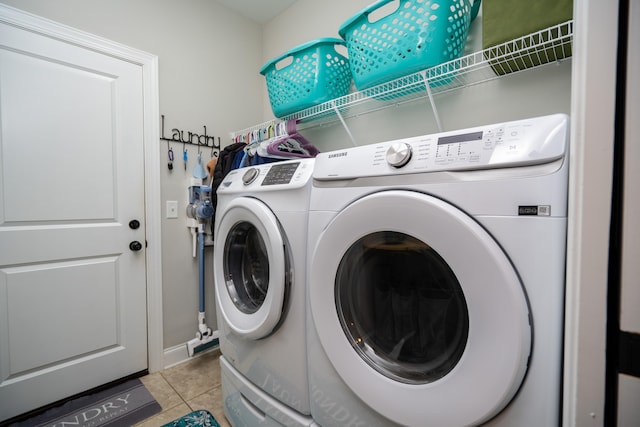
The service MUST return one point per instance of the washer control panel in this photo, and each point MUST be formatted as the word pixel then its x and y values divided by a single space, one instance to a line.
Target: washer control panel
pixel 281 173
pixel 518 143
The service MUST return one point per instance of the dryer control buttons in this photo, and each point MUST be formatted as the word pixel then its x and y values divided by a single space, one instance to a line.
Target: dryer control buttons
pixel 250 176
pixel 399 154
pixel 282 173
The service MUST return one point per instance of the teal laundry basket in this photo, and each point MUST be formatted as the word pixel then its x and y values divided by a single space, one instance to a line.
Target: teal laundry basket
pixel 386 42
pixel 307 75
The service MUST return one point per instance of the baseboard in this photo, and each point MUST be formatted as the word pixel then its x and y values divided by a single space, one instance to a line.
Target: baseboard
pixel 179 354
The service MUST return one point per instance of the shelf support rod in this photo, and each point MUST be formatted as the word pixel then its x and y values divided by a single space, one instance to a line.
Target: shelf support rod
pixel 433 104
pixel 344 124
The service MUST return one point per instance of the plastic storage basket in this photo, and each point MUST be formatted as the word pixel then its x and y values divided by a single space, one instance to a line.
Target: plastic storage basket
pixel 386 43
pixel 307 75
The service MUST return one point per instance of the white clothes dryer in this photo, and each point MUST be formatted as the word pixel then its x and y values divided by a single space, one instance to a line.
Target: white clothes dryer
pixel 259 275
pixel 436 279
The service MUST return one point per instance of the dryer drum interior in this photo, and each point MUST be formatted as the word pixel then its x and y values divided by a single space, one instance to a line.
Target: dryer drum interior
pixel 402 307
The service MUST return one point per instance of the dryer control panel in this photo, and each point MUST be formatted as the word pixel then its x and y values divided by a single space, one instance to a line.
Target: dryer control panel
pixel 518 143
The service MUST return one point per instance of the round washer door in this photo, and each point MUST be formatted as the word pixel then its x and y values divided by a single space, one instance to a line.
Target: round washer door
pixel 419 310
pixel 250 268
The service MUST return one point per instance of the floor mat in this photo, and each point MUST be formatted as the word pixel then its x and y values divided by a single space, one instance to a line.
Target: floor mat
pixel 195 419
pixel 122 405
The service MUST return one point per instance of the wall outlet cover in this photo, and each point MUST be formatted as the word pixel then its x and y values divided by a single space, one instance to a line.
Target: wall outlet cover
pixel 172 209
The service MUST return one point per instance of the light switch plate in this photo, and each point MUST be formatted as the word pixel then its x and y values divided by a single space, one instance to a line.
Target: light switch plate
pixel 172 209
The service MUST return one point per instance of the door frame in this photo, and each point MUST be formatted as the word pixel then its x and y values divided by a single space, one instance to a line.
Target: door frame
pixel 151 115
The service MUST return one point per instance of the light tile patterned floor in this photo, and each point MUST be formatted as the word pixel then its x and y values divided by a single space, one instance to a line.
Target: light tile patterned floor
pixel 187 387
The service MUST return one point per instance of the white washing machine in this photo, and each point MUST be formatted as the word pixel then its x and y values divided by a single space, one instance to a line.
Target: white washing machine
pixel 436 279
pixel 259 275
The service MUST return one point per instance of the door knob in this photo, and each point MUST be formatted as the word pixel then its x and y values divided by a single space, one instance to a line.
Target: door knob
pixel 135 246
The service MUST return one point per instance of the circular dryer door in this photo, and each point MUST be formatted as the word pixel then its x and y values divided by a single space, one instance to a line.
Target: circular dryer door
pixel 250 268
pixel 419 310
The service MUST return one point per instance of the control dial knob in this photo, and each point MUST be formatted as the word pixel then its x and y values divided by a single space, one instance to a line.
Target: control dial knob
pixel 250 176
pixel 398 154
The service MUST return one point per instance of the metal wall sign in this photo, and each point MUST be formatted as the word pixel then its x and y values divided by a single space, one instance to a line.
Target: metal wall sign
pixel 188 137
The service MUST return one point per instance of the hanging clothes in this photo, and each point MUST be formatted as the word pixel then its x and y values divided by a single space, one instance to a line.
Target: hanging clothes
pixel 224 164
pixel 211 165
pixel 292 146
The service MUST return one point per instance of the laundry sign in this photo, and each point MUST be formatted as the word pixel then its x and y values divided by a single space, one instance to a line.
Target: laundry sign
pixel 188 137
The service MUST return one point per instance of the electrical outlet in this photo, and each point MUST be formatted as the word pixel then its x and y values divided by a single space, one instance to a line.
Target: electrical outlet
pixel 172 209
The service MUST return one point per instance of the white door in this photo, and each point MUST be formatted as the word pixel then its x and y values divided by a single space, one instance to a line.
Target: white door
pixel 72 292
pixel 421 314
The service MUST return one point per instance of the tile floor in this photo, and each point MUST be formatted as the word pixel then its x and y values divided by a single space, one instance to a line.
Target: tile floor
pixel 187 387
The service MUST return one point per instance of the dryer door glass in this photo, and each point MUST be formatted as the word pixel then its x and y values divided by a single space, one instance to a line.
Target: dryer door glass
pixel 401 307
pixel 246 267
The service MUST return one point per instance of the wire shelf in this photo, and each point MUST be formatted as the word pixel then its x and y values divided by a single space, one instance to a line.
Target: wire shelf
pixel 548 46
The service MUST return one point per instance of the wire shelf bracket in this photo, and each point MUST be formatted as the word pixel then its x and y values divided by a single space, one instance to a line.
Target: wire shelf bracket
pixel 548 46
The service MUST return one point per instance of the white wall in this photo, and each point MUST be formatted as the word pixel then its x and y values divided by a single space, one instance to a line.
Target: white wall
pixel 209 59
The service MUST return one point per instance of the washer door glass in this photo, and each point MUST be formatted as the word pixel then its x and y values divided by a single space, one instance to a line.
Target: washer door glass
pixel 246 265
pixel 250 265
pixel 401 307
